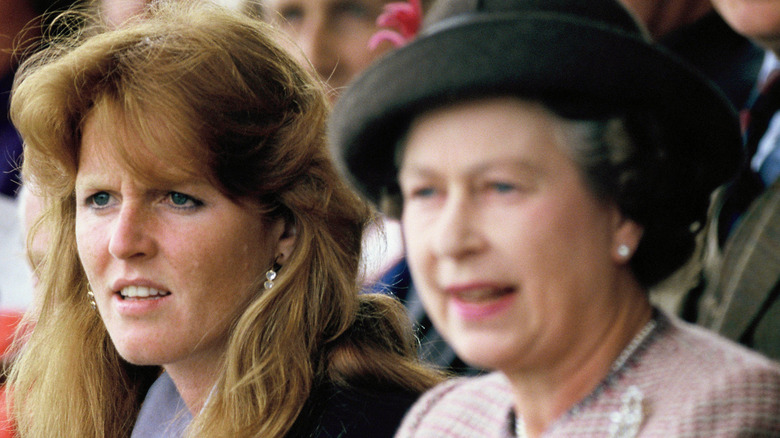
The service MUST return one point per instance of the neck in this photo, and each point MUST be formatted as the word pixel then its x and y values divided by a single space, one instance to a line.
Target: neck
pixel 543 395
pixel 194 383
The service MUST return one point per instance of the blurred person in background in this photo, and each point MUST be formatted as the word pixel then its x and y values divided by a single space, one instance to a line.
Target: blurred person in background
pixel 693 30
pixel 19 29
pixel 334 35
pixel 117 12
pixel 733 284
pixel 21 24
pixel 337 39
pixel 740 292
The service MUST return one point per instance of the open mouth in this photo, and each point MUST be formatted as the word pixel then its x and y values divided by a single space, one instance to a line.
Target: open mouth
pixel 141 293
pixel 483 295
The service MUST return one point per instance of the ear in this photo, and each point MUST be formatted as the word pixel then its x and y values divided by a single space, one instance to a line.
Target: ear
pixel 626 237
pixel 286 236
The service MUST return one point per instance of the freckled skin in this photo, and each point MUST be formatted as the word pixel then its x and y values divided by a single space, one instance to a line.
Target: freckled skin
pixel 207 252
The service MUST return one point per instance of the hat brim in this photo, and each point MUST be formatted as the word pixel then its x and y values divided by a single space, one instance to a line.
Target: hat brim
pixel 593 69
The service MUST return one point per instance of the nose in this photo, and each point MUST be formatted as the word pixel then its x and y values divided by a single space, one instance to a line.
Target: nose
pixel 131 236
pixel 456 232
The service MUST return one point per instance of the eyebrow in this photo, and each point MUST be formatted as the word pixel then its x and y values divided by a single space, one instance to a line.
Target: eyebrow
pixel 520 164
pixel 91 179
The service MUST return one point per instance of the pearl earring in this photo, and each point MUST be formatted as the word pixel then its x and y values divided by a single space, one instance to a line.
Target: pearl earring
pixel 623 250
pixel 92 302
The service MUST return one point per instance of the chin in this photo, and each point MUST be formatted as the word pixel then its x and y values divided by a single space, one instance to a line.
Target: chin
pixel 139 358
pixel 139 354
pixel 481 355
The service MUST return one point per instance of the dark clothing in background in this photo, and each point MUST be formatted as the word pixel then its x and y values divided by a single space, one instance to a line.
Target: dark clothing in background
pixel 10 143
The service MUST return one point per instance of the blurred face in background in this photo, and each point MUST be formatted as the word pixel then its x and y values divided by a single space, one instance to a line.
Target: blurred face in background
pixel 758 20
pixel 116 12
pixel 333 34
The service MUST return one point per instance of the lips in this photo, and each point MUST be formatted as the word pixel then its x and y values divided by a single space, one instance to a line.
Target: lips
pixel 141 292
pixel 477 295
pixel 479 302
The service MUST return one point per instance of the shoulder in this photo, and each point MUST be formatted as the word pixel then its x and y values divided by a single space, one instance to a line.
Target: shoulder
pixel 462 407
pixel 335 411
pixel 706 351
pixel 694 377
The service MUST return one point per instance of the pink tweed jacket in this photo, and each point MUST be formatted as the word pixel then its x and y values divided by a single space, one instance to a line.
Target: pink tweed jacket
pixel 683 381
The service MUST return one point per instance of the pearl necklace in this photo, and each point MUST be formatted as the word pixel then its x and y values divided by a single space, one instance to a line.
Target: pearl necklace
pixel 633 345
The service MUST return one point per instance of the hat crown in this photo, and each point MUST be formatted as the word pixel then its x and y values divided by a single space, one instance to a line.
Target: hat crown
pixel 602 13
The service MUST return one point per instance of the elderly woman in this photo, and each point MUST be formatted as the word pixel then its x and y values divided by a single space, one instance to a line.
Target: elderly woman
pixel 549 165
pixel 201 244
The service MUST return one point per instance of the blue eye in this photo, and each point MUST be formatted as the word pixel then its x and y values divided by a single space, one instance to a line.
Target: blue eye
pixel 180 200
pixel 291 14
pixel 503 187
pixel 99 200
pixel 425 192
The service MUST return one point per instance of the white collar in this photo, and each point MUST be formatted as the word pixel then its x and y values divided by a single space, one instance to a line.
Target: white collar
pixel 770 63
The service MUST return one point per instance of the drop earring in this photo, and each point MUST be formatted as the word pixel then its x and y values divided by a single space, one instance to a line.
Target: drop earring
pixel 270 276
pixel 623 250
pixel 92 302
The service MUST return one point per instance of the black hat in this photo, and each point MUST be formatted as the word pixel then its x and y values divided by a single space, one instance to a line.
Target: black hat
pixel 588 57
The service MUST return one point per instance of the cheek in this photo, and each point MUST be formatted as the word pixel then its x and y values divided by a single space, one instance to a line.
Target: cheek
pixel 232 260
pixel 545 241
pixel 413 234
pixel 247 258
pixel 569 252
pixel 423 273
pixel 381 50
pixel 88 243
pixel 419 255
pixel 356 53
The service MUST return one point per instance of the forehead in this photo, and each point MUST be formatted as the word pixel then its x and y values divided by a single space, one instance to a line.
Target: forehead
pixel 146 144
pixel 482 130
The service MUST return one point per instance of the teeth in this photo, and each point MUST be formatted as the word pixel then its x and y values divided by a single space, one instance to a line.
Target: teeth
pixel 141 292
pixel 480 295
